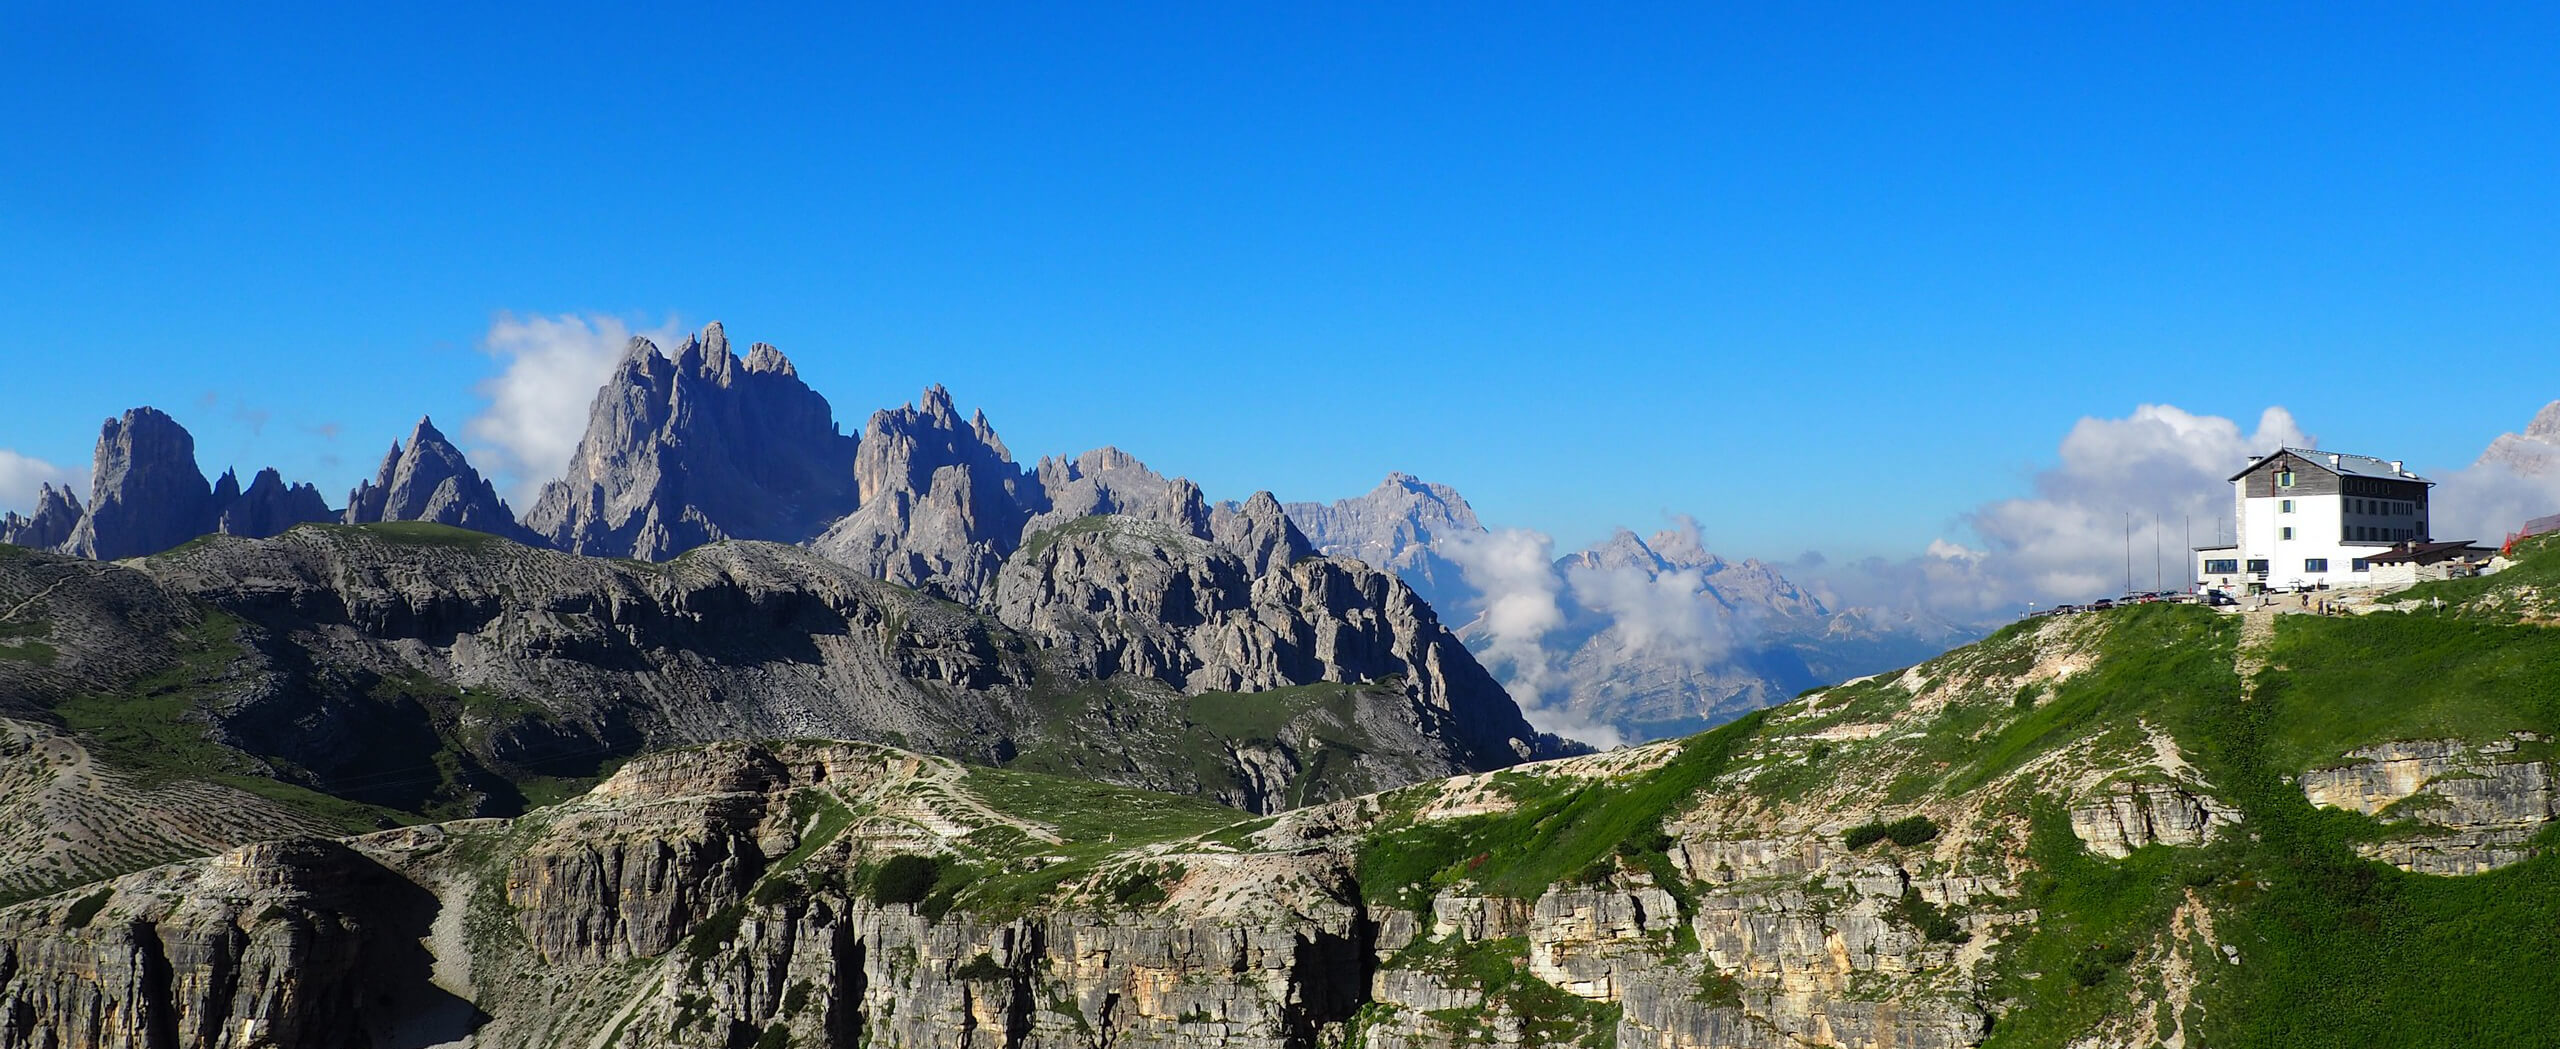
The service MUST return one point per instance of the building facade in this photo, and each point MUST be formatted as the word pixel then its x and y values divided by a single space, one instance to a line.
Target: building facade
pixel 2309 518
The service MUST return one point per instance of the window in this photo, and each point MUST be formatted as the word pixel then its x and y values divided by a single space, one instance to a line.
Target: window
pixel 2285 507
pixel 2222 566
pixel 2258 565
pixel 2286 533
pixel 2359 565
pixel 2284 478
pixel 2315 564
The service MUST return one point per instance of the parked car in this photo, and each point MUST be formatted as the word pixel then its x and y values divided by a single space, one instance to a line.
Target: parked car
pixel 2102 604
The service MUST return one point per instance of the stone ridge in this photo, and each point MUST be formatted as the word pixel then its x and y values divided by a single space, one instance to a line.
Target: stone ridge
pixel 695 449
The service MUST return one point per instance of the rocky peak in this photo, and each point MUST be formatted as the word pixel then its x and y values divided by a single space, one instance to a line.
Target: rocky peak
pixel 268 507
pixel 700 448
pixel 428 479
pixel 2533 453
pixel 1259 532
pixel 763 359
pixel 57 512
pixel 942 502
pixel 1397 526
pixel 146 494
pixel 2546 423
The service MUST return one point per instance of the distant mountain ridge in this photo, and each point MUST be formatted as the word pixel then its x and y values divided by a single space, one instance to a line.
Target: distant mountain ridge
pixel 1657 637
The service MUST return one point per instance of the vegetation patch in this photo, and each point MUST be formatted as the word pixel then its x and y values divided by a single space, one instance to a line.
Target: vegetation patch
pixel 1906 832
pixel 1558 826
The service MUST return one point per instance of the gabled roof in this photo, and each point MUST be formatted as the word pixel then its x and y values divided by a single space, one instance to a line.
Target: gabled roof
pixel 2339 463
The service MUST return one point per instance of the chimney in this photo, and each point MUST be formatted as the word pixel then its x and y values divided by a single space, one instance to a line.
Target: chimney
pixel 2256 459
pixel 2398 467
pixel 2333 460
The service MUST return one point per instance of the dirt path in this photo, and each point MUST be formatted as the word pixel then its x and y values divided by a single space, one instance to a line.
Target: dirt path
pixel 2257 631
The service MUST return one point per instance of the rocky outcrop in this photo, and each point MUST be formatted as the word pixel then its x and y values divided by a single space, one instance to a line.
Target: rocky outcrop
pixel 146 494
pixel 2460 808
pixel 1125 596
pixel 698 448
pixel 942 503
pixel 286 943
pixel 2128 815
pixel 268 507
pixel 56 514
pixel 427 479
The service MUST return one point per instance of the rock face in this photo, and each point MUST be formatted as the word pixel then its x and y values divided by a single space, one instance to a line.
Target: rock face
pixel 942 503
pixel 2462 808
pixel 57 513
pixel 2129 816
pixel 146 494
pixel 426 478
pixel 1233 602
pixel 703 447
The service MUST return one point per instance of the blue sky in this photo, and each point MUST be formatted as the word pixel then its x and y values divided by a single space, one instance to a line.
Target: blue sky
pixel 1825 278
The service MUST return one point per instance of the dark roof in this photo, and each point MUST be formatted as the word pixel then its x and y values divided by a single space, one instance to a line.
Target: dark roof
pixel 2340 463
pixel 2426 553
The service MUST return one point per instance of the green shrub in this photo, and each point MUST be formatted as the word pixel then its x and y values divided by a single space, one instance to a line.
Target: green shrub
pixel 1925 916
pixel 905 879
pixel 88 907
pixel 1906 832
pixel 983 968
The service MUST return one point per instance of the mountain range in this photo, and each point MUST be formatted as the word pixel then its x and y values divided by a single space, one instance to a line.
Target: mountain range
pixel 705 446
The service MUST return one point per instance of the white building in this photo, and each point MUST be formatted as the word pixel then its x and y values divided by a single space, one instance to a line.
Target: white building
pixel 2311 518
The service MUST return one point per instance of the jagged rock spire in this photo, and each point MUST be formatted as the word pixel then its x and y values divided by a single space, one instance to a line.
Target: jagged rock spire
pixel 703 447
pixel 426 478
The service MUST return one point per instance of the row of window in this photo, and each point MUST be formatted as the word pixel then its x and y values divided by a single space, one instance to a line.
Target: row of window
pixel 2258 565
pixel 2361 506
pixel 2380 535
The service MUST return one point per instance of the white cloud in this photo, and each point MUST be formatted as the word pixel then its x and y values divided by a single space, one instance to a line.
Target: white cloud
pixel 1520 604
pixel 2127 486
pixel 1667 616
pixel 2515 480
pixel 550 370
pixel 21 476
